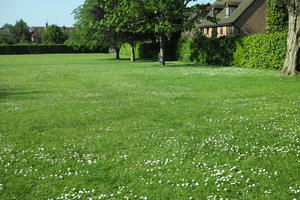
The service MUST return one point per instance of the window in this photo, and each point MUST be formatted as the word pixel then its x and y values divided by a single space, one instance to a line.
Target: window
pixel 221 30
pixel 230 30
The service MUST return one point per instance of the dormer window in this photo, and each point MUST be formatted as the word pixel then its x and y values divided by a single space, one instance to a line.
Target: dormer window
pixel 229 10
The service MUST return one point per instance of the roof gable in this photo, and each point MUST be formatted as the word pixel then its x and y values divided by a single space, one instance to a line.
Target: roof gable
pixel 222 19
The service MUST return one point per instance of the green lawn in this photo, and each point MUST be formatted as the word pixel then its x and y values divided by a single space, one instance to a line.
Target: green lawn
pixel 89 127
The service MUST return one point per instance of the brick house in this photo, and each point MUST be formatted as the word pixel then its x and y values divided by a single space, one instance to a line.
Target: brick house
pixel 36 33
pixel 235 17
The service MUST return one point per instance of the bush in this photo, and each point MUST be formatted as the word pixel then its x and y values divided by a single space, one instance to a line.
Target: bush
pixel 266 51
pixel 43 49
pixel 217 51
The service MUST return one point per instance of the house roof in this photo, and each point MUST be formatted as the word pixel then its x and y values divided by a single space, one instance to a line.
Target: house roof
pixel 222 19
pixel 219 4
pixel 233 2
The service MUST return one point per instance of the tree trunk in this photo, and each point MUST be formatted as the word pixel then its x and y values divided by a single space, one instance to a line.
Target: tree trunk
pixel 117 53
pixel 132 45
pixel 292 62
pixel 161 51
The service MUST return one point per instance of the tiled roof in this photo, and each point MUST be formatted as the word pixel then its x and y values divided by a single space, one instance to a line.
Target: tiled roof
pixel 228 20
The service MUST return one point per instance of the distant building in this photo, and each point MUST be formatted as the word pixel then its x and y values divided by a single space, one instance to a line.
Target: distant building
pixel 235 17
pixel 36 34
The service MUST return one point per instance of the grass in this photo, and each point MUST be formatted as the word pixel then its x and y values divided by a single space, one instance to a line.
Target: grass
pixel 89 127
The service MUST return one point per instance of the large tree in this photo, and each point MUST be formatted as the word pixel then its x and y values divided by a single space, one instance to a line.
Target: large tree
pixel 292 63
pixel 166 18
pixel 21 32
pixel 94 23
pixel 129 18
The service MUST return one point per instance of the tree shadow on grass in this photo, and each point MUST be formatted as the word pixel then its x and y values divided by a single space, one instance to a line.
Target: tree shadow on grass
pixel 128 59
pixel 5 93
pixel 191 65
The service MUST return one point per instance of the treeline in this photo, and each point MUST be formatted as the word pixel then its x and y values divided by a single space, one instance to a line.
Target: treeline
pixel 21 39
pixel 21 33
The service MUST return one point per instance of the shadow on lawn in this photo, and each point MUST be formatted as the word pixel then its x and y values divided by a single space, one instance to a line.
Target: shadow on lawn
pixel 170 64
pixel 5 93
pixel 128 59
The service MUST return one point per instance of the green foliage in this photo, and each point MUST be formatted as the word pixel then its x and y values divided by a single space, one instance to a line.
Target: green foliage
pixel 53 35
pixel 21 32
pixel 6 36
pixel 126 50
pixel 13 34
pixel 217 51
pixel 94 24
pixel 277 16
pixel 266 51
pixel 48 48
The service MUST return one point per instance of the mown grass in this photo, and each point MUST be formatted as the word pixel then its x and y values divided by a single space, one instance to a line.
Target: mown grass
pixel 89 127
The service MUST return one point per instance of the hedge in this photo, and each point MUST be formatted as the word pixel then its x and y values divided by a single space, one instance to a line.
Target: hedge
pixel 43 49
pixel 255 51
pixel 266 51
pixel 207 50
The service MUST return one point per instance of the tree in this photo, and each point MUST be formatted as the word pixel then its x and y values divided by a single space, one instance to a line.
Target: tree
pixel 292 62
pixel 166 18
pixel 6 36
pixel 21 32
pixel 53 35
pixel 129 18
pixel 94 23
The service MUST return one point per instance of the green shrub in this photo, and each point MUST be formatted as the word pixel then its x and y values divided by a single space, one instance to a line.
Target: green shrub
pixel 261 51
pixel 43 49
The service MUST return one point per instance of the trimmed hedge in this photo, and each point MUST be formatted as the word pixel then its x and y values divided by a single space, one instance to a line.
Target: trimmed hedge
pixel 255 51
pixel 43 49
pixel 207 50
pixel 266 51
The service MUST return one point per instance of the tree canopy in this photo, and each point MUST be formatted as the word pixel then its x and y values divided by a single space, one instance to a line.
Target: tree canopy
pixel 117 21
pixel 13 34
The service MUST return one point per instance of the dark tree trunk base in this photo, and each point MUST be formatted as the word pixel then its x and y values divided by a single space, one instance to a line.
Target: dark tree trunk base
pixel 117 54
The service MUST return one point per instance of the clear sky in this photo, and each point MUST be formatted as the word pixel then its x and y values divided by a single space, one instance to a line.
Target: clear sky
pixel 38 12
